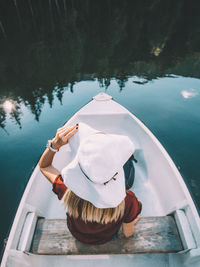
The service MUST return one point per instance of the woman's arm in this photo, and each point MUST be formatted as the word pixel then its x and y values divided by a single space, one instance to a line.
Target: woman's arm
pixel 128 228
pixel 45 163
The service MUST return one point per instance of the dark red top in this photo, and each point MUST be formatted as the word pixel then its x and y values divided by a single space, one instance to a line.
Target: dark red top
pixel 93 232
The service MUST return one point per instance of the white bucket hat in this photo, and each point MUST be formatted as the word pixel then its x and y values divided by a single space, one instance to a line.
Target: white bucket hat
pixel 96 173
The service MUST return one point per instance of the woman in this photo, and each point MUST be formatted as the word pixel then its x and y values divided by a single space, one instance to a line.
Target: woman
pixel 92 186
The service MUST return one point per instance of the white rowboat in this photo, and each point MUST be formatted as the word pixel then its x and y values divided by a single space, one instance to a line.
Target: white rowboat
pixel 158 185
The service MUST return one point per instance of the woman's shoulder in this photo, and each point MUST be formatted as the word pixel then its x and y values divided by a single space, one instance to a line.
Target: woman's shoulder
pixel 58 186
pixel 129 194
pixel 133 207
pixel 131 199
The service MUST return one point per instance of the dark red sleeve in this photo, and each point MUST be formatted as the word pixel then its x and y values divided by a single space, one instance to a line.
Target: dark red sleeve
pixel 59 187
pixel 133 207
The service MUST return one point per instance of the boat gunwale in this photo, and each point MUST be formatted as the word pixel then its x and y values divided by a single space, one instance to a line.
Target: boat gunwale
pixel 36 170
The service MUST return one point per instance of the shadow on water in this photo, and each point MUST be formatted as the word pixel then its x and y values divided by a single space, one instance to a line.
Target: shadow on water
pixel 50 45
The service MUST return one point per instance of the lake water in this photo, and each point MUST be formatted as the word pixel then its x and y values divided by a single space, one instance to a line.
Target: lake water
pixel 56 55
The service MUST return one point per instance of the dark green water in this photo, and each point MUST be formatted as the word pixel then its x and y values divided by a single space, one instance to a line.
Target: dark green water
pixel 56 55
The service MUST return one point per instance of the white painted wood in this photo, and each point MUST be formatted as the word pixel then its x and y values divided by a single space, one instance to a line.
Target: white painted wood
pixel 184 230
pixel 102 97
pixel 27 231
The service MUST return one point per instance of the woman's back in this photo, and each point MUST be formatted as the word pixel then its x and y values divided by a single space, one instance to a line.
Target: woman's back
pixel 92 232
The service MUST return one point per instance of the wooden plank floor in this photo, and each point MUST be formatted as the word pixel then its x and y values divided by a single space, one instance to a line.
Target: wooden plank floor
pixel 152 235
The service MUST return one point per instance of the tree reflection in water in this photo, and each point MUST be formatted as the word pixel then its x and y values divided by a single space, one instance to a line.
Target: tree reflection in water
pixel 47 46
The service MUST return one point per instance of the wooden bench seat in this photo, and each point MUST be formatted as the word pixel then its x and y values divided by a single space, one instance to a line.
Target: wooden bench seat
pixel 152 235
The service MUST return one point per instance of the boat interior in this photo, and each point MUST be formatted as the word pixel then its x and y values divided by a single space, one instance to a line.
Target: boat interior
pixel 158 185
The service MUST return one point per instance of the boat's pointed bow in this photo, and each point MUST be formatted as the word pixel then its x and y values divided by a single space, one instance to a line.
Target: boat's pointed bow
pixel 102 97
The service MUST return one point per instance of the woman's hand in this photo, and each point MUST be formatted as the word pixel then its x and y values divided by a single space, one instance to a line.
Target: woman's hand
pixel 137 219
pixel 63 134
pixel 128 228
pixel 45 163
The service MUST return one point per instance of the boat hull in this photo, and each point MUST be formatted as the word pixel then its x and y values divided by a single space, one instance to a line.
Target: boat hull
pixel 158 185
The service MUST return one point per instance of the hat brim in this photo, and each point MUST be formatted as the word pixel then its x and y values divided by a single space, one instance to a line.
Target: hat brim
pixel 98 194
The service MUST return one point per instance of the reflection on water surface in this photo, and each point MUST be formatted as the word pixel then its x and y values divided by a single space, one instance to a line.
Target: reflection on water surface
pixel 48 46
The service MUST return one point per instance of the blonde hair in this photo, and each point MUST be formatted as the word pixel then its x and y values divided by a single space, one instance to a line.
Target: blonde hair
pixel 76 206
